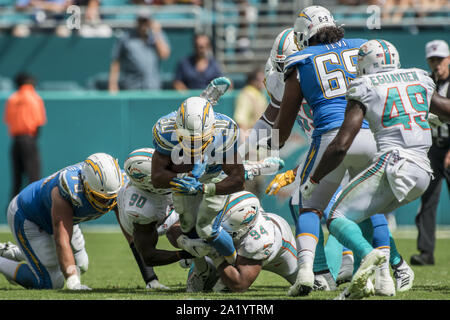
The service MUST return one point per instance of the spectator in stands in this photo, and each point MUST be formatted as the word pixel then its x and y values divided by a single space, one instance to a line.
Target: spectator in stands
pixel 24 115
pixel 438 59
pixel 251 102
pixel 197 70
pixel 136 57
pixel 43 10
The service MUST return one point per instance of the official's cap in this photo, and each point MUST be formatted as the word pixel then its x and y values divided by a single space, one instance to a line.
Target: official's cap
pixel 437 48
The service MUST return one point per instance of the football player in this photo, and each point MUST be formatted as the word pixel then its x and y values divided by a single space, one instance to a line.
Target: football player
pixel 145 213
pixel 401 171
pixel 320 73
pixel 284 46
pixel 42 216
pixel 264 241
pixel 196 156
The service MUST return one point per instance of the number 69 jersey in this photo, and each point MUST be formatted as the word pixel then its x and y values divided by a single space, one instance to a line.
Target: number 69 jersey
pixel 397 104
pixel 325 72
pixel 141 207
pixel 271 240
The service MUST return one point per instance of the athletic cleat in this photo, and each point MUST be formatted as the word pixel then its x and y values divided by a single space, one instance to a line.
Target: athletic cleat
pixel 369 264
pixel 220 287
pixel 201 280
pixel 346 271
pixel 384 285
pixel 305 281
pixel 348 294
pixel 404 277
pixel 156 285
pixel 324 282
pixel 10 251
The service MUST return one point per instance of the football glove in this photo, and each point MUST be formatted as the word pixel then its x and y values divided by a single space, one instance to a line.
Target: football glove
pixel 434 120
pixel 196 247
pixel 215 89
pixel 186 185
pixel 307 188
pixel 199 168
pixel 280 180
pixel 73 283
pixel 268 166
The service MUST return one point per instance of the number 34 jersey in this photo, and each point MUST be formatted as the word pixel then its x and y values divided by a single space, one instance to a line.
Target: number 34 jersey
pixel 397 104
pixel 141 207
pixel 325 72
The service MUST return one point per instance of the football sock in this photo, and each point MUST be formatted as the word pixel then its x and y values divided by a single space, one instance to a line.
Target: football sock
pixel 395 257
pixel 307 236
pixel 19 272
pixel 380 231
pixel 223 243
pixel 320 260
pixel 148 274
pixel 349 234
pixel 333 254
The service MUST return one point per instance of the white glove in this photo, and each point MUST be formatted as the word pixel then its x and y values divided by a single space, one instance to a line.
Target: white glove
pixel 73 283
pixel 307 189
pixel 197 247
pixel 268 166
pixel 155 285
pixel 434 120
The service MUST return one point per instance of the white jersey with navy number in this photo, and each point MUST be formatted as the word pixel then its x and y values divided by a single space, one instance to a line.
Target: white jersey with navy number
pixel 397 104
pixel 274 82
pixel 141 207
pixel 272 241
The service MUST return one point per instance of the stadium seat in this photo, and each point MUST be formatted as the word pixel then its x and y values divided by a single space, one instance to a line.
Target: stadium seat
pixel 59 86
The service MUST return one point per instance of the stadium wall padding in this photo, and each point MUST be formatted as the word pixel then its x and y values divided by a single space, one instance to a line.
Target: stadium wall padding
pixel 82 123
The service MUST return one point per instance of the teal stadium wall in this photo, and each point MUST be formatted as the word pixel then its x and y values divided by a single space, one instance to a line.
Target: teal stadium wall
pixel 81 123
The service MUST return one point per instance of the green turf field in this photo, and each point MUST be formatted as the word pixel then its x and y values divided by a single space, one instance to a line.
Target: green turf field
pixel 113 274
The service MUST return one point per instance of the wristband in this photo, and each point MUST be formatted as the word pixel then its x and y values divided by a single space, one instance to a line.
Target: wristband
pixel 209 189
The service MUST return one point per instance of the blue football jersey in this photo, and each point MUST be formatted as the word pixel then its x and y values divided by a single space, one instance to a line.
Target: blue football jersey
pixel 225 138
pixel 325 72
pixel 36 202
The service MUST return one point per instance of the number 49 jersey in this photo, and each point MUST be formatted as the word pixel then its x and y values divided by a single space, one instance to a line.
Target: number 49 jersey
pixel 325 72
pixel 397 104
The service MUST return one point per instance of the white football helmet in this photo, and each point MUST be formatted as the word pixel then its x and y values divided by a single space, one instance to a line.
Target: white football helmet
pixel 195 123
pixel 240 213
pixel 309 21
pixel 377 56
pixel 102 179
pixel 138 167
pixel 282 47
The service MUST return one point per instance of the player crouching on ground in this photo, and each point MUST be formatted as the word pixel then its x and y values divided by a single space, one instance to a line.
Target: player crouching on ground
pixel 264 241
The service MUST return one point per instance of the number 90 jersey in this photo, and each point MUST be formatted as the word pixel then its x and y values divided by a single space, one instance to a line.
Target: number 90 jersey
pixel 141 207
pixel 397 104
pixel 325 72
